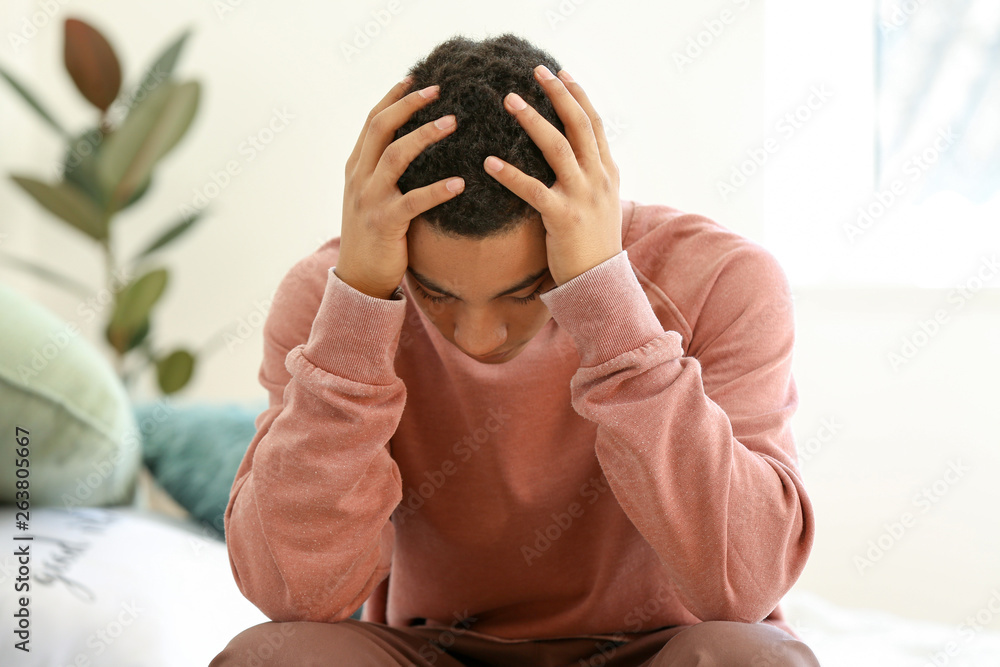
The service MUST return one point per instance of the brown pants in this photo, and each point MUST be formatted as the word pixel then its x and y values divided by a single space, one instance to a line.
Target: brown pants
pixel 354 643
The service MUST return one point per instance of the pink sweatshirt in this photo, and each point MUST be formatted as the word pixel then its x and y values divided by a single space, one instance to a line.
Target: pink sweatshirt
pixel 633 468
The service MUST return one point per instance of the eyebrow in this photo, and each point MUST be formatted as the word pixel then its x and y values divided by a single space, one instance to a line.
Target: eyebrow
pixel 530 280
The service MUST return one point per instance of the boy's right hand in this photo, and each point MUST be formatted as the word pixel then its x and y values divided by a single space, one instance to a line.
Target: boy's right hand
pixel 373 257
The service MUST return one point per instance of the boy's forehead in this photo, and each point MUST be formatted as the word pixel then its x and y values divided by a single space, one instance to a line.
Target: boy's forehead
pixel 465 265
pixel 424 237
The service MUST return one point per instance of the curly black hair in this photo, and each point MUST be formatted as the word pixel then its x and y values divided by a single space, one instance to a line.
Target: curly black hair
pixel 475 76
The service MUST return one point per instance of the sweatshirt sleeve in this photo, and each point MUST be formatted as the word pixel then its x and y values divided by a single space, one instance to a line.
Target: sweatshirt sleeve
pixel 307 523
pixel 699 450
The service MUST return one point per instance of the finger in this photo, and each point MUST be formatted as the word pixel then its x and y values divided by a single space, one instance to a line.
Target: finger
pixel 554 146
pixel 575 118
pixel 400 153
pixel 596 122
pixel 527 188
pixel 419 200
pixel 394 94
pixel 381 126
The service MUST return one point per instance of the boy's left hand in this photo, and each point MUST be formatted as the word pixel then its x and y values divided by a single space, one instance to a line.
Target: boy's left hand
pixel 582 210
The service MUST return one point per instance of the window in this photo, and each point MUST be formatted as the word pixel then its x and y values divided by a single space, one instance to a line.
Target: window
pixel 873 188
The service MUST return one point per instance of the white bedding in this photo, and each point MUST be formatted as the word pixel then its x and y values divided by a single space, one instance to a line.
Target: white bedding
pixel 848 637
pixel 127 588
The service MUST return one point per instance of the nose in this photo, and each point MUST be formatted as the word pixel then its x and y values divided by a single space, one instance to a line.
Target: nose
pixel 479 334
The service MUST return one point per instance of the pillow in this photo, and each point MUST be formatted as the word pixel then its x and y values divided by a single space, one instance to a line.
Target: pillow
pixel 84 448
pixel 115 587
pixel 193 453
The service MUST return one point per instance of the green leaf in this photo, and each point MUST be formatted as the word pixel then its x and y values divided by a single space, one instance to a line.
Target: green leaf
pixel 139 334
pixel 80 168
pixel 175 370
pixel 123 339
pixel 33 101
pixel 152 128
pixel 69 203
pixel 116 337
pixel 133 303
pixel 160 70
pixel 138 193
pixel 80 161
pixel 91 63
pixel 173 232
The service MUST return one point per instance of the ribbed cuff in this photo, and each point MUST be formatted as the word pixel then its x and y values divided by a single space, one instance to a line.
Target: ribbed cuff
pixel 355 335
pixel 605 310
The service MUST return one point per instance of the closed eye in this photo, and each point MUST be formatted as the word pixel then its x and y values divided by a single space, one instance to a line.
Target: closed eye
pixel 443 299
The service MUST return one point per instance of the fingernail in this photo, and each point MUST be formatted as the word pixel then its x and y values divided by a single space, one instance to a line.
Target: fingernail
pixel 407 80
pixel 430 91
pixel 444 122
pixel 455 184
pixel 543 72
pixel 515 102
pixel 565 76
pixel 493 164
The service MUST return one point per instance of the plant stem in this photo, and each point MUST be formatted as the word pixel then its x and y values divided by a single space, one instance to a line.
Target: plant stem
pixel 109 272
pixel 150 358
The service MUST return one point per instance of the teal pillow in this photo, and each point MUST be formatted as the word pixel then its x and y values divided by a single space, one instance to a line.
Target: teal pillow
pixel 194 451
pixel 83 443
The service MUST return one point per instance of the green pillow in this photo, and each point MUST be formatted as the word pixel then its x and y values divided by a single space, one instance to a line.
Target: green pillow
pixel 194 452
pixel 83 443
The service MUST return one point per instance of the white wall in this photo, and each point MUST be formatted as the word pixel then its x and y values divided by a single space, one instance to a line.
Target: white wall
pixel 680 130
pixel 878 435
